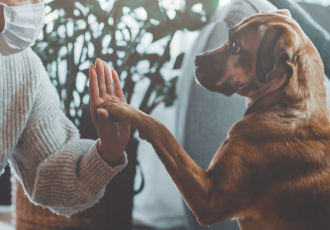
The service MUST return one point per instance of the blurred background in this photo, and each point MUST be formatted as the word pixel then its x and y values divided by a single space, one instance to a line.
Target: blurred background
pixel 147 42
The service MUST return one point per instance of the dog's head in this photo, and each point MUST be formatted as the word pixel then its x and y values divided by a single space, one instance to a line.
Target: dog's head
pixel 260 55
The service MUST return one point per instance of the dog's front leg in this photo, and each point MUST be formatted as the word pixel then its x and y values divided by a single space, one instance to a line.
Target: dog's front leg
pixel 193 182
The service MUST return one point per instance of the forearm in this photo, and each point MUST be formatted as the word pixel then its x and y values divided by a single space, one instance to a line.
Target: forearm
pixel 59 170
pixel 196 185
pixel 192 181
pixel 72 181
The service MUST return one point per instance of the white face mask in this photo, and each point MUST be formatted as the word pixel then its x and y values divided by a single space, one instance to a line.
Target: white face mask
pixel 22 27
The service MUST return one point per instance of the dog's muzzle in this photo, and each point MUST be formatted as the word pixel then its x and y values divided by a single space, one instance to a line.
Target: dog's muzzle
pixel 204 71
pixel 209 75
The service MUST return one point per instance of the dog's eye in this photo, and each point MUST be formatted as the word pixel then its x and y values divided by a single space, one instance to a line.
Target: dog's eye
pixel 235 47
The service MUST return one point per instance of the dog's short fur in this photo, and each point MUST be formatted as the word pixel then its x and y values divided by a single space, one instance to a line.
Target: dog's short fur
pixel 273 170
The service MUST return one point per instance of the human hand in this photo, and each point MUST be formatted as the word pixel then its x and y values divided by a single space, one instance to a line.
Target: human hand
pixel 114 136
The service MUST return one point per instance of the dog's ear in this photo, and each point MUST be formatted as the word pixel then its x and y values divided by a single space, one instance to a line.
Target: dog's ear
pixel 274 45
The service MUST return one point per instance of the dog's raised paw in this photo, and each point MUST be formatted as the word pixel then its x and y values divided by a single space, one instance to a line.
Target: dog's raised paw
pixel 108 106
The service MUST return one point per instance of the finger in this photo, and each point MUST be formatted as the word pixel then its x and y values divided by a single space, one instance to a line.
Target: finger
pixel 93 89
pixel 108 79
pixel 100 77
pixel 93 85
pixel 117 86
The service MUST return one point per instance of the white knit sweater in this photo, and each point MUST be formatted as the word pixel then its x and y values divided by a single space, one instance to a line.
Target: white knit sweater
pixel 57 169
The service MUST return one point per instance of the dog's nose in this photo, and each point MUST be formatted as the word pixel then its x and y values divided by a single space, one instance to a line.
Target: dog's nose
pixel 196 60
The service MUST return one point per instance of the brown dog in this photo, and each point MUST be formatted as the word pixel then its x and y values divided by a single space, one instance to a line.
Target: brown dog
pixel 273 170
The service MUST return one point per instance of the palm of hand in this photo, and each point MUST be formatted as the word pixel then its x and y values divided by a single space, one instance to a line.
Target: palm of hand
pixel 114 136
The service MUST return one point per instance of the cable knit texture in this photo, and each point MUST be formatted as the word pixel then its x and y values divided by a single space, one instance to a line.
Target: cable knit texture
pixel 57 168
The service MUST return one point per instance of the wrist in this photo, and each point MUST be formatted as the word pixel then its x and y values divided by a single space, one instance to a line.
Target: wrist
pixel 112 158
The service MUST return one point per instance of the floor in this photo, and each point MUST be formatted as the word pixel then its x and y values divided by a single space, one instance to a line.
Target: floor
pixel 5 219
pixel 148 228
pixel 139 226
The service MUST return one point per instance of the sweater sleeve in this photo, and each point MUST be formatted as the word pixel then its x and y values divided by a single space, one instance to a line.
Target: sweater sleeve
pixel 59 170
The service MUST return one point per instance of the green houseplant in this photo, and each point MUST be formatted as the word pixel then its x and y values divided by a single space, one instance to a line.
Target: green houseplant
pixel 80 31
pixel 120 32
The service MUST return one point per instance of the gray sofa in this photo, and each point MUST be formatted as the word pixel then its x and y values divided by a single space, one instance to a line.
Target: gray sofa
pixel 203 118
